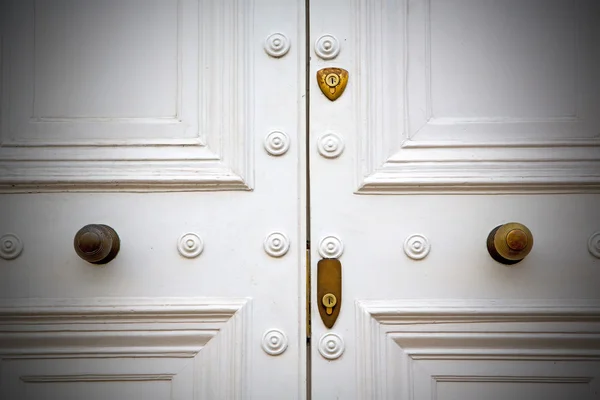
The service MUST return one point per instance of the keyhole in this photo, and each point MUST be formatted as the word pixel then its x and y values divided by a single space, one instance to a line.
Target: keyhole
pixel 332 80
pixel 329 300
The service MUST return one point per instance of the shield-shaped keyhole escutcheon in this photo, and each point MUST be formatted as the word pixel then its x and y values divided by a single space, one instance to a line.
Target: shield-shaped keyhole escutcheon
pixel 332 82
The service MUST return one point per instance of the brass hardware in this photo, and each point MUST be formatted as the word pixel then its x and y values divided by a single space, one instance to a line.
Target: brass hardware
pixel 329 290
pixel 510 243
pixel 97 244
pixel 332 82
pixel 308 291
pixel 329 301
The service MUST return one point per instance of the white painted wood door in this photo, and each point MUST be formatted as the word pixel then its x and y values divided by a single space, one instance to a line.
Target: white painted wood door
pixel 459 116
pixel 161 119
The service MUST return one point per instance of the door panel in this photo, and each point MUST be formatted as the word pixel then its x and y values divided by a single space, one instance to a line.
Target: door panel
pixel 459 116
pixel 477 349
pixel 126 89
pixel 153 118
pixel 192 348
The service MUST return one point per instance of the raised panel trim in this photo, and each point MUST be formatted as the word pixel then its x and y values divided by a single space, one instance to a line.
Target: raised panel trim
pixel 220 157
pixel 522 379
pixel 207 331
pixel 556 379
pixel 392 335
pixel 95 378
pixel 392 161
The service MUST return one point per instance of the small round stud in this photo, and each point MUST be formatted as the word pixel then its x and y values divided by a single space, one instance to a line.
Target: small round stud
pixel 327 47
pixel 330 145
pixel 277 244
pixel 594 244
pixel 417 246
pixel 331 247
pixel 10 246
pixel 277 143
pixel 274 342
pixel 190 245
pixel 277 45
pixel 331 346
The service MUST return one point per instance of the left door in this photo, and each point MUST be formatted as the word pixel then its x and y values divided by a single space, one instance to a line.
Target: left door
pixel 158 119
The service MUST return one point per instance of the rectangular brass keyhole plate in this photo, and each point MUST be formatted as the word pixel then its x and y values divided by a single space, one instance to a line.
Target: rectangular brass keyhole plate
pixel 329 290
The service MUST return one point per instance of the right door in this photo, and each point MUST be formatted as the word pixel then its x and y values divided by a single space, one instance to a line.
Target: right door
pixel 459 116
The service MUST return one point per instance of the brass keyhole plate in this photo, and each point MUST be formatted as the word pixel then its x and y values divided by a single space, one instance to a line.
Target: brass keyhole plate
pixel 329 290
pixel 332 82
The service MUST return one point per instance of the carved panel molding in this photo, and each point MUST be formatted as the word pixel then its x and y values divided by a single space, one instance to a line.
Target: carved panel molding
pixel 195 345
pixel 195 132
pixel 405 348
pixel 405 147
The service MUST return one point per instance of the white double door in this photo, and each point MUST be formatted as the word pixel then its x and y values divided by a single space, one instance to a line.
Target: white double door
pixel 183 126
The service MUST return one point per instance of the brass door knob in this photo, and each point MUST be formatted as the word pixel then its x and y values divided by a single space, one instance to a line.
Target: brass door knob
pixel 510 243
pixel 97 244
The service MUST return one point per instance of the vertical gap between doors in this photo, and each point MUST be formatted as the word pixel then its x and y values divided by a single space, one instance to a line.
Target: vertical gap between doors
pixel 308 232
